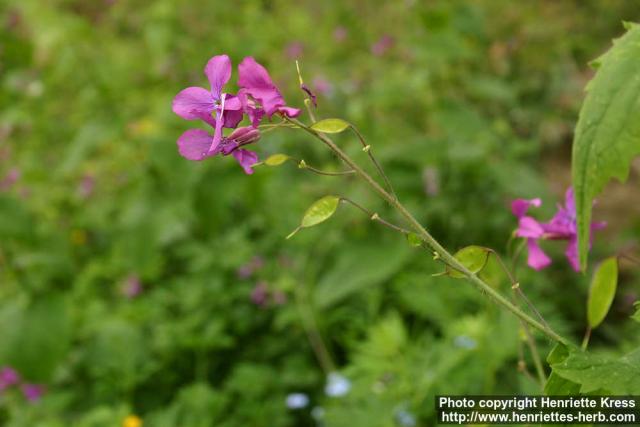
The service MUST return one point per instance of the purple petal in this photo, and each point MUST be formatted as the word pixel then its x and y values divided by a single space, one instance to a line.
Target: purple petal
pixel 253 75
pixel 256 81
pixel 195 144
pixel 246 159
pixel 572 253
pixel 569 202
pixel 289 111
pixel 218 71
pixel 519 207
pixel 537 259
pixel 232 111
pixel 530 228
pixel 249 107
pixel 193 103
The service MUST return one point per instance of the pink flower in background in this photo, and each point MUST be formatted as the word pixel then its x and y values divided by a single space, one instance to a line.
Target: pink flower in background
pixel 323 86
pixel 86 187
pixel 383 44
pixel 10 179
pixel 294 50
pixel 247 270
pixel 255 82
pixel 195 103
pixel 33 392
pixel 260 294
pixel 195 144
pixel 340 34
pixel 561 227
pixel 8 378
pixel 132 287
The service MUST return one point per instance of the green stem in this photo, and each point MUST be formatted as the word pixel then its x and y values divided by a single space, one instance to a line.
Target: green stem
pixel 375 217
pixel 429 240
pixel 313 333
pixel 587 337
pixel 367 149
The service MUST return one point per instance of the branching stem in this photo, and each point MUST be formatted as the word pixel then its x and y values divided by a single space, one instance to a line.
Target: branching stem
pixel 443 254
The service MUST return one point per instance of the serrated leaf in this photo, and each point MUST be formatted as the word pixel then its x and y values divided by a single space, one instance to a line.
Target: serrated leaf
pixel 474 258
pixel 602 291
pixel 318 212
pixel 414 240
pixel 330 126
pixel 607 136
pixel 601 373
pixel 276 159
pixel 556 385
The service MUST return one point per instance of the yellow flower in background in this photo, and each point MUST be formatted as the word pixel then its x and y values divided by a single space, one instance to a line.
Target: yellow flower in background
pixel 132 421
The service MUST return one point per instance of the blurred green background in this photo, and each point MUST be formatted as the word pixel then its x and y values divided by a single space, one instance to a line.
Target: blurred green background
pixel 135 282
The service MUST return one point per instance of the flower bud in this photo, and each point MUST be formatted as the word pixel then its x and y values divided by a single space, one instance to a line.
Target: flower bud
pixel 245 135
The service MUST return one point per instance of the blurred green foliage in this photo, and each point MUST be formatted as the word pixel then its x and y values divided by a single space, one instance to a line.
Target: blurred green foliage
pixel 463 102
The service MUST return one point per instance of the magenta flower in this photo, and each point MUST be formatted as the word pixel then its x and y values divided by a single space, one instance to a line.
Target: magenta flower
pixel 195 103
pixel 383 44
pixel 8 377
pixel 340 34
pixel 197 144
pixel 256 83
pixel 33 392
pixel 561 227
pixel 294 50
pixel 132 287
pixel 259 294
pixel 10 179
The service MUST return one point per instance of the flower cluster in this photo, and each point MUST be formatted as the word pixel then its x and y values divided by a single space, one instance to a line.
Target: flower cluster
pixel 9 378
pixel 258 97
pixel 561 227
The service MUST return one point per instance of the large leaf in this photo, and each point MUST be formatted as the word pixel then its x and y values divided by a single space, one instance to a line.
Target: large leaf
pixel 600 373
pixel 557 385
pixel 360 267
pixel 607 135
pixel 603 289
pixel 41 338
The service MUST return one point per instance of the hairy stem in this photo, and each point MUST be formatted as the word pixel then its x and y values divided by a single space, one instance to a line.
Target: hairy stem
pixel 367 149
pixel 443 254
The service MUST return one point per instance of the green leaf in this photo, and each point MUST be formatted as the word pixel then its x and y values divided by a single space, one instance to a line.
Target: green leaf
pixel 601 373
pixel 607 136
pixel 276 159
pixel 330 126
pixel 41 339
pixel 318 212
pixel 603 289
pixel 414 240
pixel 474 258
pixel 556 385
pixel 361 266
pixel 636 315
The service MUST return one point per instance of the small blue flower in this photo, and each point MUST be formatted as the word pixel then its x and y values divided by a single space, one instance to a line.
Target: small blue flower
pixel 337 385
pixel 405 418
pixel 297 400
pixel 465 342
